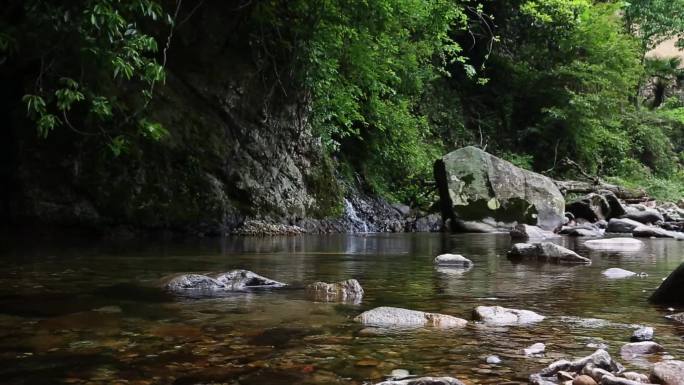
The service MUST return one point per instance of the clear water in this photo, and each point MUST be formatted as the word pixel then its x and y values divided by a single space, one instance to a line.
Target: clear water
pixel 93 313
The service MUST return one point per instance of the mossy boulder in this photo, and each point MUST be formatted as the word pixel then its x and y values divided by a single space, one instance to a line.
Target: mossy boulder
pixel 480 192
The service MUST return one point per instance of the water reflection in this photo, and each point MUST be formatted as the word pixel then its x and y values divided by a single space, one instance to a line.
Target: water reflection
pixel 75 312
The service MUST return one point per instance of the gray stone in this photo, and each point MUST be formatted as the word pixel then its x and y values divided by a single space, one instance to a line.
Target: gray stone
pixel 634 376
pixel 534 349
pixel 644 216
pixel 399 374
pixel 536 379
pixel 656 232
pixel 644 333
pixel 474 185
pixel 423 381
pixel 622 225
pixel 525 232
pixel 634 349
pixel 245 279
pixel 452 260
pixel 349 290
pixel 677 317
pixel 397 317
pixel 599 359
pixel 617 273
pixel 501 316
pixel 668 373
pixel 614 380
pixel 615 244
pixel 182 283
pixel 670 291
pixel 234 280
pixel 585 230
pixel 592 207
pixel 546 252
pixel 494 360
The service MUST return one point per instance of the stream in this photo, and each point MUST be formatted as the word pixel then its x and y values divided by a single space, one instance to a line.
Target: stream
pixel 92 312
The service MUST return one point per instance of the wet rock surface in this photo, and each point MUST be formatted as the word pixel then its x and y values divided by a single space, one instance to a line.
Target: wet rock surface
pixel 234 280
pixel 474 186
pixel 622 225
pixel 526 232
pixel 424 381
pixel 668 373
pixel 500 316
pixel 546 252
pixel 348 290
pixel 453 260
pixel 615 244
pixel 617 273
pixel 634 349
pixel 644 333
pixel 397 317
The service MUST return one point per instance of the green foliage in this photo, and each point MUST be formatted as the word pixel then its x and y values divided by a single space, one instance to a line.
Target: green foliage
pixel 90 84
pixel 654 21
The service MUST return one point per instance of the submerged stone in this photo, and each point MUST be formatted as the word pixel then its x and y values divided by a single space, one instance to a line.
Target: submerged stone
pixel 617 273
pixel 423 381
pixel 233 280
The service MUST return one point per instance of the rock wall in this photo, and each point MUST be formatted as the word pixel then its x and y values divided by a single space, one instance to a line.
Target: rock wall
pixel 240 150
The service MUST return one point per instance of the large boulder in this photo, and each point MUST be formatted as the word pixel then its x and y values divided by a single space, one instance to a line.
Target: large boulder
pixel 501 316
pixel 397 317
pixel 615 244
pixel 671 291
pixel 349 290
pixel 644 216
pixel 668 373
pixel 546 252
pixel 476 187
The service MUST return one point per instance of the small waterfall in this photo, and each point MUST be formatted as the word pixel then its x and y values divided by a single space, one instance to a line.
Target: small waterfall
pixel 351 214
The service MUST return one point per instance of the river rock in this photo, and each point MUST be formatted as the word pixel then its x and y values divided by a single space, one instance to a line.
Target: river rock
pixel 233 280
pixel 677 317
pixel 622 225
pixel 634 349
pixel 546 252
pixel 537 348
pixel 644 333
pixel 583 380
pixel 615 244
pixel 453 260
pixel 536 379
pixel 656 232
pixel 615 380
pixel 474 185
pixel 668 373
pixel 423 381
pixel 617 273
pixel 525 232
pixel 584 230
pixel 193 282
pixel 393 316
pixel 339 291
pixel 493 360
pixel 245 279
pixel 670 291
pixel 591 207
pixel 644 216
pixel 501 316
pixel 634 376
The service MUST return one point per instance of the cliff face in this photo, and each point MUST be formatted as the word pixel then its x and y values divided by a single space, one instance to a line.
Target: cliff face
pixel 239 146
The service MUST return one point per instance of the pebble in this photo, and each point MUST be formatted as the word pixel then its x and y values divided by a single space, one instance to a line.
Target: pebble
pixel 493 360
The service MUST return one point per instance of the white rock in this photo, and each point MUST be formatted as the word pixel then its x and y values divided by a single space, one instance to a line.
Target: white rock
pixel 615 244
pixel 537 348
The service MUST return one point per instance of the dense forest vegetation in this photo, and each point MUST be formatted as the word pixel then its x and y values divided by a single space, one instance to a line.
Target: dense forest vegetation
pixel 557 86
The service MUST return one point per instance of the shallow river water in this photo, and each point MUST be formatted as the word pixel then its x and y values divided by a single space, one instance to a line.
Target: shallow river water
pixel 93 313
